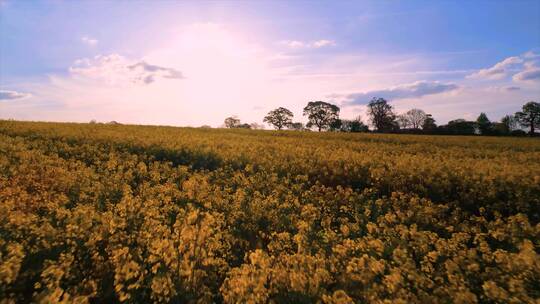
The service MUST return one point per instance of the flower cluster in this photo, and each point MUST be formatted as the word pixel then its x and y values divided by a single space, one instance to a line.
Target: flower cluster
pixel 113 213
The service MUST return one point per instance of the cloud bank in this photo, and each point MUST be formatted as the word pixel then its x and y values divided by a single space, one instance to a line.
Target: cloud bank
pixel 531 72
pixel 499 70
pixel 523 68
pixel 89 41
pixel 118 70
pixel 149 73
pixel 12 95
pixel 297 44
pixel 412 90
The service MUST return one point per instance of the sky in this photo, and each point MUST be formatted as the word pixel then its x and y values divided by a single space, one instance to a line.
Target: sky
pixel 195 63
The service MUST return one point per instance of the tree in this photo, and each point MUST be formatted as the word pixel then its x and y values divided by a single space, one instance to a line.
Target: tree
pixel 403 121
pixel 529 117
pixel 416 118
pixel 279 118
pixel 498 128
pixel 256 126
pixel 508 123
pixel 298 126
pixel 232 122
pixel 321 114
pixel 381 115
pixel 243 126
pixel 484 124
pixel 355 125
pixel 429 124
pixel 336 125
pixel 460 127
pixel 358 126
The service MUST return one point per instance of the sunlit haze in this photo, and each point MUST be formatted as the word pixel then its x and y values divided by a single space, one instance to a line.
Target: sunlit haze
pixel 194 63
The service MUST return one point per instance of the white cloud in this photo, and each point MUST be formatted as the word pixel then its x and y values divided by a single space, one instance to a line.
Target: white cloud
pixel 293 43
pixel 503 88
pixel 11 95
pixel 148 73
pixel 118 70
pixel 323 43
pixel 531 55
pixel 524 68
pixel 89 41
pixel 530 72
pixel 229 74
pixel 297 44
pixel 225 74
pixel 412 90
pixel 499 70
pixel 470 100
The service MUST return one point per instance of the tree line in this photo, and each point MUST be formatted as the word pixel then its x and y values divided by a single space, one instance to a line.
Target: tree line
pixel 324 116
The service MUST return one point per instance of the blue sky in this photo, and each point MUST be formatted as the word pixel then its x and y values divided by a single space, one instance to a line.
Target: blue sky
pixel 194 63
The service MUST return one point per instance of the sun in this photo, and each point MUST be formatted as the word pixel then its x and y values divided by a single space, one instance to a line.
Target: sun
pixel 220 68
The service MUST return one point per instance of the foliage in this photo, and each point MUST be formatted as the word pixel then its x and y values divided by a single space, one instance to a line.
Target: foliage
pixel 355 125
pixel 298 126
pixel 321 115
pixel 279 118
pixel 529 117
pixel 256 126
pixel 382 115
pixel 232 122
pixel 518 133
pixel 336 125
pixel 459 127
pixel 509 124
pixel 99 213
pixel 484 124
pixel 429 125
pixel 244 126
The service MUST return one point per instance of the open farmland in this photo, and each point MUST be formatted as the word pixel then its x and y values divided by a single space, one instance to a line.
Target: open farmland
pixel 119 213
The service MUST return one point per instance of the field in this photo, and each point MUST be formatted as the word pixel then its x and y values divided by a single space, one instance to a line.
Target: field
pixel 117 213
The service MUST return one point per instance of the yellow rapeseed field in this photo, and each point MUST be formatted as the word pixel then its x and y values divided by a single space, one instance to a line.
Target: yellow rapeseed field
pixel 93 213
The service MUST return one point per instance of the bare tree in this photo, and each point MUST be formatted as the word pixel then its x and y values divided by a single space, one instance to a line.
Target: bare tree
pixel 403 121
pixel 415 118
